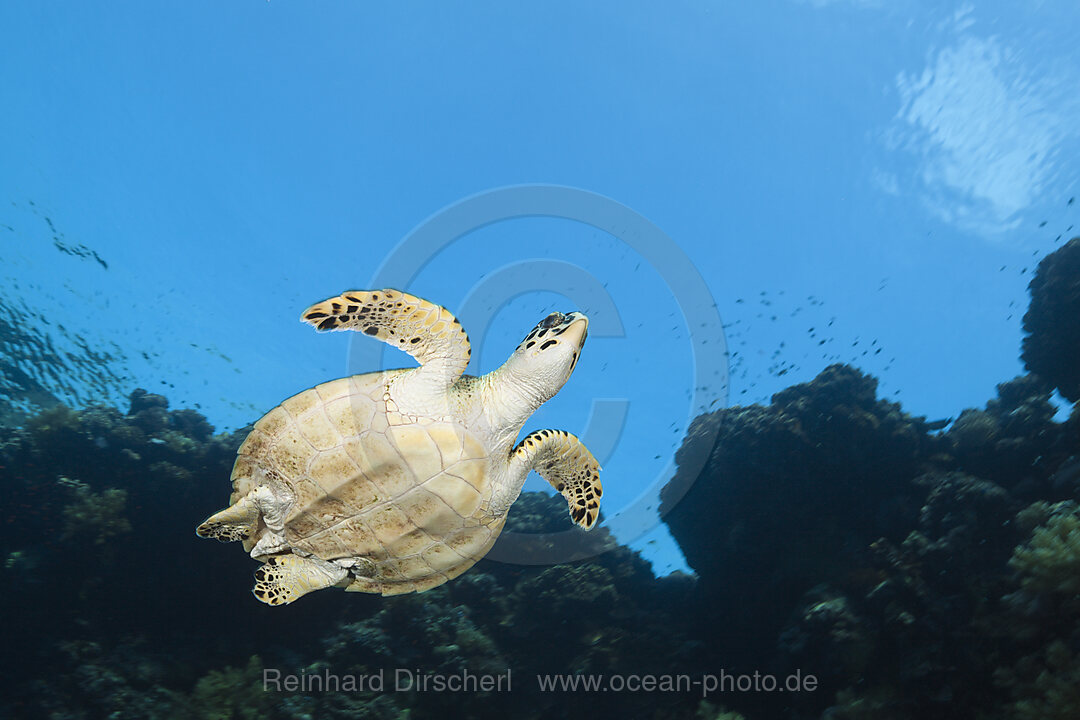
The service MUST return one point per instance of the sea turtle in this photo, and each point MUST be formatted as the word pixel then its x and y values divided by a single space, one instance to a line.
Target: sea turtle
pixel 397 481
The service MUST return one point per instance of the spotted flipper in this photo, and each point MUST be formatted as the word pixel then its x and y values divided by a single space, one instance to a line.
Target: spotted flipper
pixel 562 460
pixel 284 578
pixel 428 332
pixel 236 522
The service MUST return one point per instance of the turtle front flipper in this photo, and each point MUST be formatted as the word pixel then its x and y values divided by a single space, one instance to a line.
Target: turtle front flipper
pixel 561 459
pixel 285 578
pixel 428 332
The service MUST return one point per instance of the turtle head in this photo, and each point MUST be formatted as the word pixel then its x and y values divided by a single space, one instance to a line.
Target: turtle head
pixel 535 371
pixel 549 353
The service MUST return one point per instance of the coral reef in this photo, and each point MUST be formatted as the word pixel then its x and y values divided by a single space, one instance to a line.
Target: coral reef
pixel 1014 441
pixel 926 602
pixel 915 574
pixel 1051 348
pixel 89 679
pixel 229 694
pixel 124 614
pixel 97 517
pixel 791 494
pixel 1041 670
pixel 1049 565
pixel 1045 684
pixel 832 534
pixel 708 711
pixel 895 562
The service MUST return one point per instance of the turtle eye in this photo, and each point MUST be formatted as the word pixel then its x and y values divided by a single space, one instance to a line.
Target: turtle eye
pixel 551 320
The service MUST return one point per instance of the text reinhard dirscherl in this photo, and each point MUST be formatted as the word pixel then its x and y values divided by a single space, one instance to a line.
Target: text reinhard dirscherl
pixel 402 680
pixel 410 680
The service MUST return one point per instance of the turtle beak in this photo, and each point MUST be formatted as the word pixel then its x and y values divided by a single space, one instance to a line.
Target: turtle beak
pixel 577 330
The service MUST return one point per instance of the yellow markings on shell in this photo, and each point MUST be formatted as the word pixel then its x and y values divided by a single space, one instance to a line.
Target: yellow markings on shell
pixel 300 403
pixel 398 588
pixel 379 422
pixel 383 464
pixel 485 537
pixel 386 588
pixel 421 506
pixel 413 542
pixel 357 492
pixel 330 510
pixel 441 556
pixel 429 581
pixel 307 493
pixel 318 431
pixel 273 422
pixel 388 523
pixel 417 446
pixel 342 414
pixel 388 569
pixel 290 454
pixel 447 441
pixel 380 464
pixel 361 407
pixel 453 572
pixel 456 493
pixel 366 584
pixel 333 468
pixel 256 444
pixel 469 542
pixel 472 447
pixel 245 466
pixel 360 539
pixel 474 472
pixel 326 544
pixel 302 525
pixel 393 479
pixel 355 450
pixel 413 566
pixel 430 512
pixel 333 390
pixel 244 477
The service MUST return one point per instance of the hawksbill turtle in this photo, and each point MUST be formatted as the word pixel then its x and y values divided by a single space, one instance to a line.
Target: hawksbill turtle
pixel 397 481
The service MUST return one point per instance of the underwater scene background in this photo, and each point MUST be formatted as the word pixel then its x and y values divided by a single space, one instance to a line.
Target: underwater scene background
pixel 828 251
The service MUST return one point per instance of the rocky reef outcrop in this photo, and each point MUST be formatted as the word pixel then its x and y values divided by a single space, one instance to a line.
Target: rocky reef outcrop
pixel 922 574
pixel 793 493
pixel 1051 347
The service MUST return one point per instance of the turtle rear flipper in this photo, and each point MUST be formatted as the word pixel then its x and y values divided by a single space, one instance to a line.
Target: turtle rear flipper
pixel 285 578
pixel 564 461
pixel 236 522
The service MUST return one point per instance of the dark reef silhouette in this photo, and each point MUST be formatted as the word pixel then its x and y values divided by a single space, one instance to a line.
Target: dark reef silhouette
pixel 1051 347
pixel 916 572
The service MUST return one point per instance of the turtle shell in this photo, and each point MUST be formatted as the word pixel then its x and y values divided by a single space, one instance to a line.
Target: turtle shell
pixel 407 498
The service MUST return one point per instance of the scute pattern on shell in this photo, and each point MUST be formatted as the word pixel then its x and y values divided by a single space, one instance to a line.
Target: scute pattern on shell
pixel 411 498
